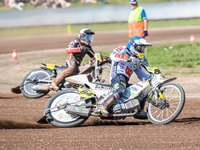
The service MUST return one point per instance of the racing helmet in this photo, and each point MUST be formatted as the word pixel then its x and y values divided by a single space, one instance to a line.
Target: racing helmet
pixel 137 46
pixel 86 36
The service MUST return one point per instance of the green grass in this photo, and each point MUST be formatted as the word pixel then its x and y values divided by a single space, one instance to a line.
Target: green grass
pixel 177 55
pixel 165 56
pixel 96 27
pixel 170 57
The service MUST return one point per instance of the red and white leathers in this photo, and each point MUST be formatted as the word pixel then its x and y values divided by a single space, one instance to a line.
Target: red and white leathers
pixel 121 65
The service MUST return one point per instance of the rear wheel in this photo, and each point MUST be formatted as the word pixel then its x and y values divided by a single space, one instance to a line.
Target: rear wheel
pixel 175 99
pixel 57 116
pixel 35 77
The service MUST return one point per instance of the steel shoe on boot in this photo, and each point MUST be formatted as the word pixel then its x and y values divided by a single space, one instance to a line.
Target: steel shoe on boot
pixel 55 87
pixel 45 87
pixel 100 109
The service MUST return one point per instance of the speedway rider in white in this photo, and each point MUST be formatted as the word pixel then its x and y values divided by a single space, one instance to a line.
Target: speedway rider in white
pixel 125 61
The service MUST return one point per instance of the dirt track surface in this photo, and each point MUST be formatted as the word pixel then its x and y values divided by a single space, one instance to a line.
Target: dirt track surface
pixel 19 130
pixel 102 40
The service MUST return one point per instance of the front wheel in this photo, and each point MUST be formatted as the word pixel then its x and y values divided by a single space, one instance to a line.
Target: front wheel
pixel 35 77
pixel 175 100
pixel 104 73
pixel 57 116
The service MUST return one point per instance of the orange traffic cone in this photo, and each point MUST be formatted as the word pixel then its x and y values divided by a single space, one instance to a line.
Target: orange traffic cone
pixel 192 38
pixel 14 55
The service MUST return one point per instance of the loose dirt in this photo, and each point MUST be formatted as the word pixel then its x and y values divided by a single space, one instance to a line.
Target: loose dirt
pixel 18 121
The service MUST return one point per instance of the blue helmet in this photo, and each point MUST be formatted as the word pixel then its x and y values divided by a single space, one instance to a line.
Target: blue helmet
pixel 133 1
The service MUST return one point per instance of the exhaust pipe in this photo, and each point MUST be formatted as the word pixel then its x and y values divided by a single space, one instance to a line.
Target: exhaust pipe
pixel 77 110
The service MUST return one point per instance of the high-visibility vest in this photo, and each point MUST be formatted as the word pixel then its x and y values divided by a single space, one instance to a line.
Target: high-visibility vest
pixel 136 23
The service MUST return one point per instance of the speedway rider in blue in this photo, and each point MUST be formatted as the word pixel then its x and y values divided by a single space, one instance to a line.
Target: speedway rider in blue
pixel 125 61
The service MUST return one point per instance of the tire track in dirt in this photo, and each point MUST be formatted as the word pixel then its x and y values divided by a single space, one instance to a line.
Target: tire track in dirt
pixel 13 124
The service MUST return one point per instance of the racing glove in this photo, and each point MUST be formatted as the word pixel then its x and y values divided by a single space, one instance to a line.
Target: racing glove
pixel 133 60
pixel 83 49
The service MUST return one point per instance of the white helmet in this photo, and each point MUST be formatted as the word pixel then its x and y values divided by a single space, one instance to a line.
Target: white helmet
pixel 137 46
pixel 141 44
pixel 86 36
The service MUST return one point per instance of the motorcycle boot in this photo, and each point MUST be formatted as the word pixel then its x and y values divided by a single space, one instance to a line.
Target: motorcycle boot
pixel 54 86
pixel 103 105
pixel 141 114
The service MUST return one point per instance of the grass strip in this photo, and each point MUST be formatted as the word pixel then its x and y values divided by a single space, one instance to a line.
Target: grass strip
pixel 45 30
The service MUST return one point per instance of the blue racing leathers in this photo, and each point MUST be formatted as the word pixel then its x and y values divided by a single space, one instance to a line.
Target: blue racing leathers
pixel 121 71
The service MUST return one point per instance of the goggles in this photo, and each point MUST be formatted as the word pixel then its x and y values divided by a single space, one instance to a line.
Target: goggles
pixel 140 48
pixel 88 37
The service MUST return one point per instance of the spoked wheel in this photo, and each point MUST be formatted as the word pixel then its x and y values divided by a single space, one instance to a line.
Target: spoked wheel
pixel 171 108
pixel 35 77
pixel 57 116
pixel 104 73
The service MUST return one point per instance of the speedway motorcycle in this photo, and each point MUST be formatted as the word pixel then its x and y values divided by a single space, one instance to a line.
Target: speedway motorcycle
pixel 98 68
pixel 71 107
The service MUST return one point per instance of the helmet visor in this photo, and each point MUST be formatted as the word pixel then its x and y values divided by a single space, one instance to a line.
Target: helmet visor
pixel 88 37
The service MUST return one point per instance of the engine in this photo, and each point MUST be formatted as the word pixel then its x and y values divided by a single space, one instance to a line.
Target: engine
pixel 126 107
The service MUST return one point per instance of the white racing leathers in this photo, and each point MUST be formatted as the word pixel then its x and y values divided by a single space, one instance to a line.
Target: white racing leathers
pixel 120 64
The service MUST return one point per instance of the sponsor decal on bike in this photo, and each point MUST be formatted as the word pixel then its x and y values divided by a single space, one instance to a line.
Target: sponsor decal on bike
pixel 102 88
pixel 134 89
pixel 132 94
pixel 138 85
pixel 60 116
pixel 50 66
pixel 85 93
pixel 67 97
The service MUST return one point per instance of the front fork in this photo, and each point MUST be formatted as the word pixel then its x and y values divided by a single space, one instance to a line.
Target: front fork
pixel 96 71
pixel 157 99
